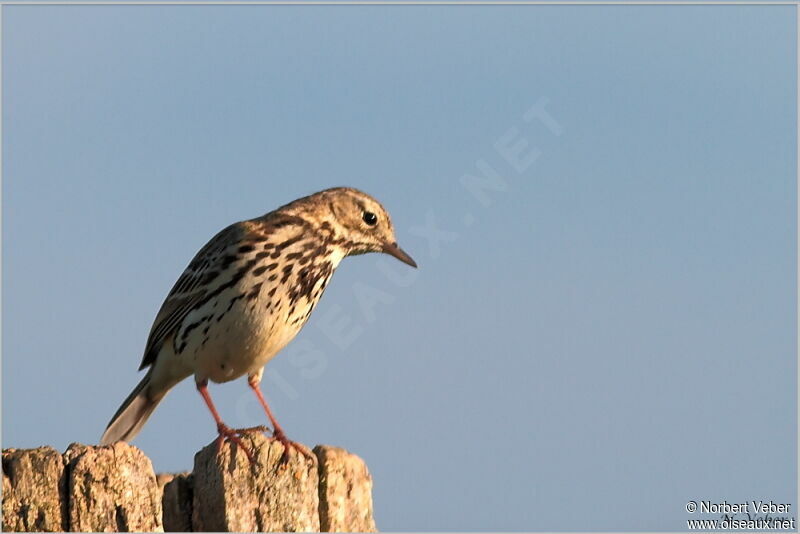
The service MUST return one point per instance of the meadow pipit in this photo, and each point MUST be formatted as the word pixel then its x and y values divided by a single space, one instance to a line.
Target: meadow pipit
pixel 245 295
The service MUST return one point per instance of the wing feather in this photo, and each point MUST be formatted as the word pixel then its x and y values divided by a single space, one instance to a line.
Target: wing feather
pixel 190 289
pixel 209 272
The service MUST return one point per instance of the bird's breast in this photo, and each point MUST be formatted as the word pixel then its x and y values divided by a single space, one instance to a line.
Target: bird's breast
pixel 249 323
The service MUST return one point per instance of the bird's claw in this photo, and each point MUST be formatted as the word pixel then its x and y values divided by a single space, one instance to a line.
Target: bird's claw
pixel 233 435
pixel 288 445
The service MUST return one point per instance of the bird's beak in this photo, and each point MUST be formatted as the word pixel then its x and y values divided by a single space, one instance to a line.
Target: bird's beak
pixel 393 250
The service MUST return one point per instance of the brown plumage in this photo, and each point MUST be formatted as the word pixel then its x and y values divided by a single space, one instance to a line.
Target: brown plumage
pixel 246 294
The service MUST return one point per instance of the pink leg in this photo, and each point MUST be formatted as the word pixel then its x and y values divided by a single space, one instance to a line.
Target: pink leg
pixel 225 432
pixel 277 432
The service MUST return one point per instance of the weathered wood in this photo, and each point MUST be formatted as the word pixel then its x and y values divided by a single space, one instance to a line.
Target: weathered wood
pixel 112 489
pixel 345 491
pixel 176 501
pixel 230 494
pixel 33 490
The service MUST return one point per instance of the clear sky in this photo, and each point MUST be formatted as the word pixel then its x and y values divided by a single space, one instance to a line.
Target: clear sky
pixel 600 331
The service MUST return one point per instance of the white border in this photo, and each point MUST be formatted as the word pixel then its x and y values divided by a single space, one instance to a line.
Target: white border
pixel 405 3
pixel 446 3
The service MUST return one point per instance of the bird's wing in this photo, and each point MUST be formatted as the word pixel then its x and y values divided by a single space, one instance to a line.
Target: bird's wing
pixel 192 288
pixel 219 265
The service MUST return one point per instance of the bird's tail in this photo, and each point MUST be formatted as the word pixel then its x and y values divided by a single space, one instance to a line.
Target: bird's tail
pixel 133 413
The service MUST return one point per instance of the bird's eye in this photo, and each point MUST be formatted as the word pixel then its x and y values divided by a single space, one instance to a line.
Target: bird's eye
pixel 370 218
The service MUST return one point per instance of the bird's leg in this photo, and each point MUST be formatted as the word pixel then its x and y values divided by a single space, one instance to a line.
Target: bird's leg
pixel 225 432
pixel 277 432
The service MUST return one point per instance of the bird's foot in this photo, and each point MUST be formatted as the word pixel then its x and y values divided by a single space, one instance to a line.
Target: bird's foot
pixel 234 435
pixel 288 445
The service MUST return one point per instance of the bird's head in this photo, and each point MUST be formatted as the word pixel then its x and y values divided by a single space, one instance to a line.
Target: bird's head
pixel 357 222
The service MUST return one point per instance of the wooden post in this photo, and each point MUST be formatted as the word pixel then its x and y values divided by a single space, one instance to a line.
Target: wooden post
pixel 114 488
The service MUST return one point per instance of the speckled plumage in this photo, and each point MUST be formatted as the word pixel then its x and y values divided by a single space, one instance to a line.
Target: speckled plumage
pixel 247 293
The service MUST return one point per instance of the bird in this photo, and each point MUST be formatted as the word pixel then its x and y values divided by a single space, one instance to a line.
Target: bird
pixel 244 296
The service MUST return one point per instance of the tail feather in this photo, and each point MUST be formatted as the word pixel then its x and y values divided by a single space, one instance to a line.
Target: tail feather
pixel 133 413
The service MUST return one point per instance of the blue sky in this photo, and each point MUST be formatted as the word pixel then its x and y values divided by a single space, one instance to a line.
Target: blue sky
pixel 605 333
